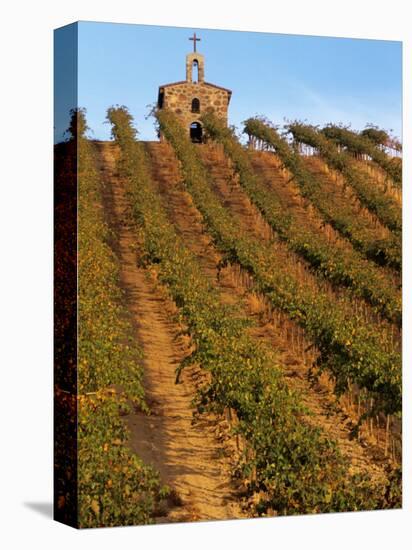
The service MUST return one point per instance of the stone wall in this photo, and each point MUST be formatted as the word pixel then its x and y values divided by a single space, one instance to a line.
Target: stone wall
pixel 178 98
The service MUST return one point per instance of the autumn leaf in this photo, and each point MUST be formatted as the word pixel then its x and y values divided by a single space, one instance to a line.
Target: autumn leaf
pixel 95 507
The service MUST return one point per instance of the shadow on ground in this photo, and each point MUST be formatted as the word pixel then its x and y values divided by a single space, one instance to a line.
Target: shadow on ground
pixel 45 509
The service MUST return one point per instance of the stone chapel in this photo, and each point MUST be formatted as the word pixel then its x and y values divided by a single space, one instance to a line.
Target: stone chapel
pixel 189 98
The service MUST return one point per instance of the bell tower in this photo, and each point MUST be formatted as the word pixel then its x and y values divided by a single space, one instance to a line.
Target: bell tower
pixel 195 67
pixel 195 64
pixel 191 97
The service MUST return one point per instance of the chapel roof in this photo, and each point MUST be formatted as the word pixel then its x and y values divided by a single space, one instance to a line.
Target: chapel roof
pixel 203 83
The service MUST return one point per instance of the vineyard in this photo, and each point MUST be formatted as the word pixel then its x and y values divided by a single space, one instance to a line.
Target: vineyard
pixel 240 318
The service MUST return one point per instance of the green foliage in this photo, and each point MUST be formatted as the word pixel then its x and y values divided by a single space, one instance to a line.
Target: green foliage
pixel 350 348
pixel 385 208
pixel 115 487
pixel 340 266
pixel 107 353
pixel 366 144
pixel 376 135
pixel 121 121
pixel 298 469
pixel 339 213
pixel 78 125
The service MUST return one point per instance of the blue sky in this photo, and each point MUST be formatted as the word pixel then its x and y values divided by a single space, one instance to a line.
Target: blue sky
pixel 310 78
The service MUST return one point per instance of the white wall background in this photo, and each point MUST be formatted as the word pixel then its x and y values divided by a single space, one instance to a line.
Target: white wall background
pixel 26 272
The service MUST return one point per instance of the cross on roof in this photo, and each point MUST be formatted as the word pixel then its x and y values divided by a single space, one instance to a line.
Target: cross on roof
pixel 194 41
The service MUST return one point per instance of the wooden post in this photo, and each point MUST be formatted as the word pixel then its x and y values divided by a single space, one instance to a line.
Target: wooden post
pixel 387 434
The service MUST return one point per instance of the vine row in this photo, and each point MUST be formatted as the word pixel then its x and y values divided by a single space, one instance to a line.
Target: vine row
pixel 294 465
pixel 340 215
pixel 350 349
pixel 114 486
pixel 370 196
pixel 364 145
pixel 341 266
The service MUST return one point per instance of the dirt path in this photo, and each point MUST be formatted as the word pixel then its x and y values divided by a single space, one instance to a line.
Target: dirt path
pixel 188 453
pixel 279 336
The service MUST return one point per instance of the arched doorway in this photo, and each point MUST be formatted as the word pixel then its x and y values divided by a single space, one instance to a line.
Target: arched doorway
pixel 196 132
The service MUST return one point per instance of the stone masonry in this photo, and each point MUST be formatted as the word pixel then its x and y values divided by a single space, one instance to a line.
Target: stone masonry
pixel 189 98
